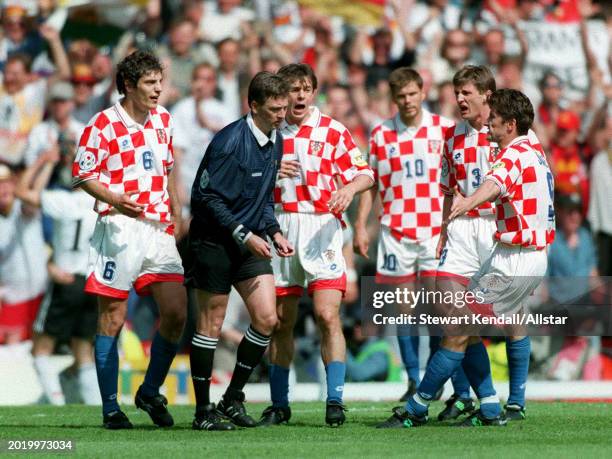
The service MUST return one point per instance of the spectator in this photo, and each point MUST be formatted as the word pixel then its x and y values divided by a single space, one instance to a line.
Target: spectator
pixel 600 205
pixel 16 37
pixel 86 104
pixel 22 100
pixel 23 263
pixel 229 80
pixel 569 157
pixel 180 56
pixel 573 252
pixel 61 129
pixel 196 119
pixel 551 88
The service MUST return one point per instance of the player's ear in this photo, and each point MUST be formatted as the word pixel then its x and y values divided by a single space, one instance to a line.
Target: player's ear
pixel 254 106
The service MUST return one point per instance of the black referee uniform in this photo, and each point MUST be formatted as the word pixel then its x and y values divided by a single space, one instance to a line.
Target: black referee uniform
pixel 232 195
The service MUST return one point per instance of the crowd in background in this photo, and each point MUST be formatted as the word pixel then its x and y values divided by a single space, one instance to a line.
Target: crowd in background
pixel 57 71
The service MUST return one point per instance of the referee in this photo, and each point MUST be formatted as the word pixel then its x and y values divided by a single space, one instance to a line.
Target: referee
pixel 233 215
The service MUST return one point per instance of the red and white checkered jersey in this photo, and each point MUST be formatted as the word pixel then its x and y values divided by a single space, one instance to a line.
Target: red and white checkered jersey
pixel 406 165
pixel 126 156
pixel 325 150
pixel 468 156
pixel 524 212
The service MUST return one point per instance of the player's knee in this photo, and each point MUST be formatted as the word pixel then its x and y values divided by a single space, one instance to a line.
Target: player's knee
pixel 455 342
pixel 266 324
pixel 284 325
pixel 175 321
pixel 328 320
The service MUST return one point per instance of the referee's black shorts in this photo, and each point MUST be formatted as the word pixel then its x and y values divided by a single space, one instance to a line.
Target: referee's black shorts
pixel 216 265
pixel 68 312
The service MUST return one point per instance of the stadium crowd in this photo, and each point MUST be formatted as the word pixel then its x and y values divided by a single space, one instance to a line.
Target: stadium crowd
pixel 58 68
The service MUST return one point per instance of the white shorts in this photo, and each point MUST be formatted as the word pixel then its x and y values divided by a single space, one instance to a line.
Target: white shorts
pixel 469 244
pixel 318 262
pixel 399 261
pixel 507 278
pixel 128 252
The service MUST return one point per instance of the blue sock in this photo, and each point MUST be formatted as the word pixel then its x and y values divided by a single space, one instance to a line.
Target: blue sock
pixel 409 350
pixel 461 384
pixel 279 386
pixel 434 345
pixel 518 353
pixel 107 368
pixel 478 371
pixel 162 354
pixel 441 366
pixel 336 372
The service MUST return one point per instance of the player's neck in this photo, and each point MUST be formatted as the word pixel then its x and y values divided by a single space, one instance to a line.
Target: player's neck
pixel 299 122
pixel 507 140
pixel 414 121
pixel 136 113
pixel 267 130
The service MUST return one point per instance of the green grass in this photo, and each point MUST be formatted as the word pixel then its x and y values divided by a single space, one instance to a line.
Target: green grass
pixel 552 429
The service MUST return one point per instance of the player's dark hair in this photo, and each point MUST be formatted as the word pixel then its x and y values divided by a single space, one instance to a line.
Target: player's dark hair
pixel 511 104
pixel 133 67
pixel 479 75
pixel 24 58
pixel 402 76
pixel 292 72
pixel 266 85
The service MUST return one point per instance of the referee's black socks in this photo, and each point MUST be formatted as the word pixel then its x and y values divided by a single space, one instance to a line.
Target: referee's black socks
pixel 201 360
pixel 250 352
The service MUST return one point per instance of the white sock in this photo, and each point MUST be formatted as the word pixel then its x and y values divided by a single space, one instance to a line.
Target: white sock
pixel 49 380
pixel 88 385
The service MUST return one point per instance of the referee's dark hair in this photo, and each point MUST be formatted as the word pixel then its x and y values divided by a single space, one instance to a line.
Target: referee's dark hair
pixel 293 72
pixel 479 75
pixel 134 66
pixel 511 104
pixel 265 85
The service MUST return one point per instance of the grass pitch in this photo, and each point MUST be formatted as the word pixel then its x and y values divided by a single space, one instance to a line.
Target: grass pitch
pixel 551 430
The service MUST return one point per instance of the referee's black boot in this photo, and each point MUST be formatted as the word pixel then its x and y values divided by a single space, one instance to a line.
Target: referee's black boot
pixel 232 407
pixel 116 420
pixel 207 418
pixel 156 407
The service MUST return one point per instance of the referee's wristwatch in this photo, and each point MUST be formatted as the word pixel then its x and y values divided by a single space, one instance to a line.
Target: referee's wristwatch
pixel 241 234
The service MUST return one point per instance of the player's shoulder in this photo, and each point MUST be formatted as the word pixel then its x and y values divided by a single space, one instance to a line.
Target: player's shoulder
pixel 327 122
pixel 103 120
pixel 457 129
pixel 162 114
pixel 384 126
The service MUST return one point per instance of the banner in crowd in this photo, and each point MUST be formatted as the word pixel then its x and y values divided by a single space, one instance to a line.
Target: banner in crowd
pixel 558 47
pixel 358 12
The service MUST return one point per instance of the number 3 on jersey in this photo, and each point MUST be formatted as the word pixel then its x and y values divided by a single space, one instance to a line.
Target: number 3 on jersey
pixel 477 177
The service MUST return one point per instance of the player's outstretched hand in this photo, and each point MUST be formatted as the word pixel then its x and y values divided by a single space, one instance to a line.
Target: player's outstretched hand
pixel 361 241
pixel 258 247
pixel 289 169
pixel 126 206
pixel 340 200
pixel 460 205
pixel 283 246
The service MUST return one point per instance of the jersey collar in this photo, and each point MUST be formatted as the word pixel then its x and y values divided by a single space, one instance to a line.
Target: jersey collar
pixel 426 120
pixel 127 119
pixel 261 138
pixel 312 121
